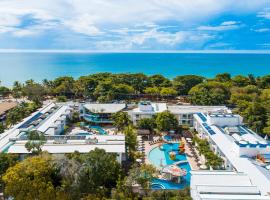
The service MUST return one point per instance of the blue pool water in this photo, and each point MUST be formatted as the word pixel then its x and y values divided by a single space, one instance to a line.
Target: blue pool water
pixel 99 129
pixel 83 134
pixel 167 137
pixel 155 156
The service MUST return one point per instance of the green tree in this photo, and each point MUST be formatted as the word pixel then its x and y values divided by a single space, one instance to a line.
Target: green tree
pixel 255 116
pixel 209 93
pixel 31 179
pixel 121 120
pixel 141 175
pixel 264 82
pixel 2 128
pixel 131 141
pixel 182 84
pixel 225 77
pixel 34 92
pixel 147 123
pixel 17 89
pixel 4 91
pixel 152 90
pixel 122 91
pixel 99 173
pixel 85 86
pixel 64 86
pixel 240 81
pixel 166 121
pixel 69 170
pixel 168 92
pixel 159 81
pixel 104 91
pixel 6 161
pixel 35 141
pixel 168 195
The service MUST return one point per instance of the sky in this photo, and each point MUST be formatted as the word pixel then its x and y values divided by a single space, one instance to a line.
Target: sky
pixel 135 25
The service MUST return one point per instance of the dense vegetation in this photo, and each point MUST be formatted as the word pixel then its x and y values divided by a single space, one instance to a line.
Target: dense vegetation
pixel 212 159
pixel 249 95
pixel 95 175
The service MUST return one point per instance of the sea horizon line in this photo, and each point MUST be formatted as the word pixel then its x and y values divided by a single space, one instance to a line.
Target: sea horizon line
pixel 134 51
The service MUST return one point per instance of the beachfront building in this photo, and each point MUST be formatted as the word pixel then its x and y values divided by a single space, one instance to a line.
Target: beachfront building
pixel 5 106
pixel 244 153
pixel 146 109
pixel 100 113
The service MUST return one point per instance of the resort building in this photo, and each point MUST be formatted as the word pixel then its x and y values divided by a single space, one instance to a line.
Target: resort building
pixel 244 153
pixel 213 185
pixel 184 114
pixel 63 144
pixel 5 106
pixel 51 120
pixel 100 113
pixel 146 109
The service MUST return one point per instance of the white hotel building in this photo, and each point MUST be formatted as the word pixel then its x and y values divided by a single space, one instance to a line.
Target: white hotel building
pixel 51 120
pixel 184 114
pixel 245 177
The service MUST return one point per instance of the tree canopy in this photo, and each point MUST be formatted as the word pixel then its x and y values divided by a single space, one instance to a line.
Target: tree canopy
pixel 166 121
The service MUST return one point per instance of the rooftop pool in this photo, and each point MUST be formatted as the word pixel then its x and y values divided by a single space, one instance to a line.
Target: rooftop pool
pixel 159 157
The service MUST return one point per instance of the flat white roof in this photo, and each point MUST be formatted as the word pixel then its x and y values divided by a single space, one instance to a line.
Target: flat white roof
pixel 157 107
pixel 258 175
pixel 14 131
pixel 50 121
pixel 231 197
pixel 70 148
pixel 209 178
pixel 179 109
pixel 223 185
pixel 104 108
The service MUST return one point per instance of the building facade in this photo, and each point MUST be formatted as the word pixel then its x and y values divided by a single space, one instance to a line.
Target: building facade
pixel 243 152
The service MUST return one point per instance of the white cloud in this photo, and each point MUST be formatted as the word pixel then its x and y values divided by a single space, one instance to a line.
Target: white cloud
pixel 262 30
pixel 161 40
pixel 224 26
pixel 265 13
pixel 83 24
pixel 133 22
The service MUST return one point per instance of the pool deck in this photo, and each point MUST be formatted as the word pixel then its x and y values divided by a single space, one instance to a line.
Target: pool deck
pixel 193 164
pixel 148 148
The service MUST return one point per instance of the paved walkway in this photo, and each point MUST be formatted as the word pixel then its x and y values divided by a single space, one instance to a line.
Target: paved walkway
pixel 148 148
pixel 193 164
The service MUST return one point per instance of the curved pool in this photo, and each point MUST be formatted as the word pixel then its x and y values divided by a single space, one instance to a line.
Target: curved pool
pixel 160 157
pixel 157 186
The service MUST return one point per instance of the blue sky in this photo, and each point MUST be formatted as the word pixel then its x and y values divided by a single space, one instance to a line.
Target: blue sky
pixel 115 25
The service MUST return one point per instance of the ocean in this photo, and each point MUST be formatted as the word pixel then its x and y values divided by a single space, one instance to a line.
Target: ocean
pixel 38 66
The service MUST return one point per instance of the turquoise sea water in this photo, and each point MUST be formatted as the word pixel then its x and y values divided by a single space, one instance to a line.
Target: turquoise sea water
pixel 23 66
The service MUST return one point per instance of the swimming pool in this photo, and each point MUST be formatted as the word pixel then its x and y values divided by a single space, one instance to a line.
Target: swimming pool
pixel 83 134
pixel 99 129
pixel 159 156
